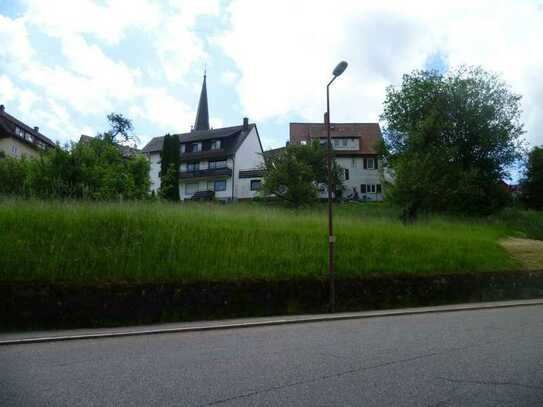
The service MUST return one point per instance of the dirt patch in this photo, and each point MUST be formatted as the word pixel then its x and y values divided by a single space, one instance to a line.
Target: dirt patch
pixel 528 251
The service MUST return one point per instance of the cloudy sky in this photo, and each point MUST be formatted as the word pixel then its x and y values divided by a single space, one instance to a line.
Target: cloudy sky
pixel 65 64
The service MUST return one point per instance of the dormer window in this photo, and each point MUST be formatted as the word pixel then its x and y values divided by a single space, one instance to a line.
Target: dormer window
pixel 28 137
pixel 215 145
pixel 196 147
pixel 20 132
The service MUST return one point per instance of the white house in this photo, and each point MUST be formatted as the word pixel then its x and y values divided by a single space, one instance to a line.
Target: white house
pixel 356 151
pixel 227 161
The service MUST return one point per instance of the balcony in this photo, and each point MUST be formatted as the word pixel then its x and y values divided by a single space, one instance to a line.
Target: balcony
pixel 207 173
pixel 203 155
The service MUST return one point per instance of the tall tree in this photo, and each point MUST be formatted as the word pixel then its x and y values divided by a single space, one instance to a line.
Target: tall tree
pixel 169 168
pixel 295 174
pixel 532 184
pixel 120 130
pixel 449 139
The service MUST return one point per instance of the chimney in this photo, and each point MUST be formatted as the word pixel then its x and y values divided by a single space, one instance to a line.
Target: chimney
pixel 245 123
pixel 37 129
pixel 2 108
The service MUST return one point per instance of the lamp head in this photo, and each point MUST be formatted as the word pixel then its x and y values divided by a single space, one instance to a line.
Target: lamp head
pixel 340 68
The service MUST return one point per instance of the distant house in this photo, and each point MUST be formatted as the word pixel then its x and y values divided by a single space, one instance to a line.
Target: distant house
pixel 126 151
pixel 226 161
pixel 356 151
pixel 17 139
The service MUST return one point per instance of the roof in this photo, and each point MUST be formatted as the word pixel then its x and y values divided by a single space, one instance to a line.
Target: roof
pixel 202 114
pixel 232 137
pixel 273 152
pixel 369 135
pixel 9 122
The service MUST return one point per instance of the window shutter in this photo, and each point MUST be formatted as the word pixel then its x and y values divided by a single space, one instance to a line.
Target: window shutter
pixel 365 163
pixel 346 174
pixel 363 188
pixel 378 188
pixel 376 163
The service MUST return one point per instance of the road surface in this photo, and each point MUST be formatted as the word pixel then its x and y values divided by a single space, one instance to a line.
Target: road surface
pixel 467 358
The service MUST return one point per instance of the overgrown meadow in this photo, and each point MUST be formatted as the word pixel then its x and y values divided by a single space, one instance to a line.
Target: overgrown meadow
pixel 159 242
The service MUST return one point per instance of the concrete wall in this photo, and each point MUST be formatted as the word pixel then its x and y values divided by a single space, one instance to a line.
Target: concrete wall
pixel 16 149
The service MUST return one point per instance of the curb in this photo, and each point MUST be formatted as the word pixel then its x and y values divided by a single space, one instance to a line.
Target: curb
pixel 280 321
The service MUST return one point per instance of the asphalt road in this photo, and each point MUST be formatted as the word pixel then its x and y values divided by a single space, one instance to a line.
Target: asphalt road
pixel 468 358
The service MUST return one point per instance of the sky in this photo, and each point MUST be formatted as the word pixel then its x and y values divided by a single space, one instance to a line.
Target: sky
pixel 64 65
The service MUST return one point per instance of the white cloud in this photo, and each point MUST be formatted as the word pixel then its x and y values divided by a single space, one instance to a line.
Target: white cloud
pixel 285 51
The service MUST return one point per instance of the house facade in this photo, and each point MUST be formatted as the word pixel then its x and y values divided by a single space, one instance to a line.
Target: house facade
pixel 226 162
pixel 355 148
pixel 18 140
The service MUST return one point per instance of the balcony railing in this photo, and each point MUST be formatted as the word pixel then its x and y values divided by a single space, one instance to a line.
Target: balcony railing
pixel 218 172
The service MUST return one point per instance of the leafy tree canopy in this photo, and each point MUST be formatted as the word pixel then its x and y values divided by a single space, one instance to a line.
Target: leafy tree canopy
pixel 169 168
pixel 295 174
pixel 532 184
pixel 449 139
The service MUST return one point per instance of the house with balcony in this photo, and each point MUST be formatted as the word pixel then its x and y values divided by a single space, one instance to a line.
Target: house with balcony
pixel 18 139
pixel 227 162
pixel 355 148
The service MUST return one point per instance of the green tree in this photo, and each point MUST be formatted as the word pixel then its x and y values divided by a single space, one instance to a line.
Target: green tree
pixel 450 139
pixel 295 174
pixel 121 129
pixel 169 168
pixel 532 184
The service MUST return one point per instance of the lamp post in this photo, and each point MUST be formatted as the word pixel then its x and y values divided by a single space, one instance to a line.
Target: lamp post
pixel 338 70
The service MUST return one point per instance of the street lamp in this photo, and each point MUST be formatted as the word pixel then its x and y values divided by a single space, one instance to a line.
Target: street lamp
pixel 338 70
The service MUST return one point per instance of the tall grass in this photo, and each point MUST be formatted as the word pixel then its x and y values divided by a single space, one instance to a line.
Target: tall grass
pixel 108 242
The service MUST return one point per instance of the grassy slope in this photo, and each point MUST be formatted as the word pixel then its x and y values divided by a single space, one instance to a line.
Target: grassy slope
pixel 54 241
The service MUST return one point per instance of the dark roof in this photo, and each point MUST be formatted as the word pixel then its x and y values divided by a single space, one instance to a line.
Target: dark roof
pixel 273 152
pixel 369 135
pixel 126 151
pixel 202 114
pixel 231 138
pixel 8 124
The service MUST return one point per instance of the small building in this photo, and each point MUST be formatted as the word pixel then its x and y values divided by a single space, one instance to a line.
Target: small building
pixel 227 161
pixel 18 139
pixel 355 148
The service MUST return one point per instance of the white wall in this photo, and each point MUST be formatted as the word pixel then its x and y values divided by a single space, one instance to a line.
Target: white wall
pixel 248 157
pixel 358 175
pixel 154 161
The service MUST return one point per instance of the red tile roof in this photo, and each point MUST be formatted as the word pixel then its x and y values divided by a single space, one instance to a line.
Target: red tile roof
pixel 369 135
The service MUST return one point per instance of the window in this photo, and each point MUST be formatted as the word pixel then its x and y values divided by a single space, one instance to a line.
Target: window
pixel 194 166
pixel 368 188
pixel 191 188
pixel 344 142
pixel 256 184
pixel 41 145
pixel 215 145
pixel 196 147
pixel 346 174
pixel 19 132
pixel 353 164
pixel 219 185
pixel 183 148
pixel 28 137
pixel 13 149
pixel 371 163
pixel 213 165
pixel 303 142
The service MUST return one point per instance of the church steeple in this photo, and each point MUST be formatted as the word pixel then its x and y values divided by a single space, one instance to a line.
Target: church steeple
pixel 202 115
